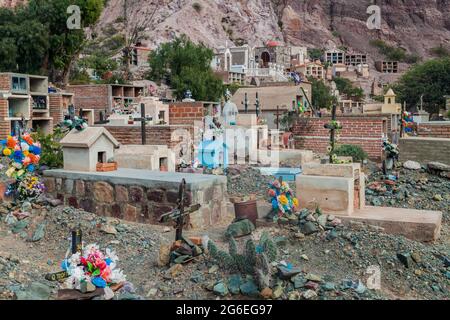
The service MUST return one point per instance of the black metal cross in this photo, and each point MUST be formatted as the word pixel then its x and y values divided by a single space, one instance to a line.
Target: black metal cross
pixel 257 106
pixel 180 212
pixel 245 103
pixel 143 120
pixel 332 129
pixel 278 117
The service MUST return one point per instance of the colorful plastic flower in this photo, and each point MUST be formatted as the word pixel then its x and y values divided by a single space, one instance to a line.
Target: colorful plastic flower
pixel 283 199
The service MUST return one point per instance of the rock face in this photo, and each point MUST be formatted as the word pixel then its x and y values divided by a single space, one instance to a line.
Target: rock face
pixel 326 23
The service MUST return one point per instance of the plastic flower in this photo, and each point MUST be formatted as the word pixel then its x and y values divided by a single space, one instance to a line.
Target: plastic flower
pixel 18 156
pixel 11 142
pixel 7 152
pixel 283 199
pixel 28 139
pixel 272 193
pixel 295 202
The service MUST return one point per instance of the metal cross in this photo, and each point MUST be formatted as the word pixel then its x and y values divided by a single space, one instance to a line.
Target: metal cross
pixel 332 132
pixel 180 212
pixel 143 119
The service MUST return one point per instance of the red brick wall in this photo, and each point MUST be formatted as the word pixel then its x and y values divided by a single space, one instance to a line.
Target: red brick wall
pixel 364 131
pixel 157 135
pixel 5 126
pixel 186 112
pixel 56 106
pixel 5 82
pixel 435 130
pixel 90 97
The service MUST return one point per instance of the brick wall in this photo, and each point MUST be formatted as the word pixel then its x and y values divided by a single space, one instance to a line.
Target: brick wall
pixel 56 108
pixel 425 150
pixel 157 135
pixel 5 126
pixel 186 112
pixel 5 84
pixel 90 97
pixel 364 131
pixel 438 129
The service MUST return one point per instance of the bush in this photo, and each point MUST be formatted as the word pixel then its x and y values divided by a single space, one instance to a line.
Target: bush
pixel 51 151
pixel 349 150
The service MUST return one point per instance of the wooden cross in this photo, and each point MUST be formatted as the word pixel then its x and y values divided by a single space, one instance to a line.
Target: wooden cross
pixel 332 132
pixel 143 119
pixel 180 212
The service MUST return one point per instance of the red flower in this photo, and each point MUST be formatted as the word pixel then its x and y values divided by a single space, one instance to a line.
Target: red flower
pixel 83 261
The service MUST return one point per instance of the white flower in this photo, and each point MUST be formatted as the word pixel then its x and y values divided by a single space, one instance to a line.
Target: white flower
pixel 112 255
pixel 117 276
pixel 74 259
pixel 90 249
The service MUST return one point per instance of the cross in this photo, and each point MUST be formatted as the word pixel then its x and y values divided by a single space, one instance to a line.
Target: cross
pixel 76 245
pixel 245 103
pixel 143 119
pixel 332 129
pixel 180 212
pixel 257 106
pixel 71 110
pixel 401 120
pixel 278 117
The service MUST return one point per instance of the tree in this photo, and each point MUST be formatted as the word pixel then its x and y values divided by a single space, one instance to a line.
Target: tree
pixel 136 22
pixel 184 65
pixel 430 79
pixel 321 94
pixel 346 87
pixel 36 39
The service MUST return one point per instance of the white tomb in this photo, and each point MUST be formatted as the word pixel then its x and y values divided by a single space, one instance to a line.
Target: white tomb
pixel 82 150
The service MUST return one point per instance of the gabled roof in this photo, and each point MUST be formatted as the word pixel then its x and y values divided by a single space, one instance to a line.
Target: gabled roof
pixel 390 93
pixel 87 137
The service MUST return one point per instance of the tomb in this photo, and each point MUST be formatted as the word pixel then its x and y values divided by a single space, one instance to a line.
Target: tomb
pixel 148 157
pixel 142 195
pixel 82 150
pixel 339 189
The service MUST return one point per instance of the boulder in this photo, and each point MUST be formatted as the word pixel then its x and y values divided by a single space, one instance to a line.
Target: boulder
pixel 411 165
pixel 240 228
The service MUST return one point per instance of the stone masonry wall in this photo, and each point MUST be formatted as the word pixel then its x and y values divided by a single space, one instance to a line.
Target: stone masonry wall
pixel 425 150
pixel 364 131
pixel 438 129
pixel 137 203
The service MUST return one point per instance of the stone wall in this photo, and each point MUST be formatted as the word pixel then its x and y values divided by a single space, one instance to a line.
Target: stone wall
pixel 425 150
pixel 139 203
pixel 186 112
pixel 438 129
pixel 364 131
pixel 155 135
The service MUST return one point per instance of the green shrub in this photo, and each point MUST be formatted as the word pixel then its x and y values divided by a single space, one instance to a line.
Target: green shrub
pixel 349 150
pixel 51 150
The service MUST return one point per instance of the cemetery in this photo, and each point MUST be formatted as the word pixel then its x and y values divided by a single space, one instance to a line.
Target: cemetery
pixel 263 171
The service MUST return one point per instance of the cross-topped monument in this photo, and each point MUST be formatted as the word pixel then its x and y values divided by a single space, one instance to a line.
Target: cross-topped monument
pixel 332 127
pixel 143 119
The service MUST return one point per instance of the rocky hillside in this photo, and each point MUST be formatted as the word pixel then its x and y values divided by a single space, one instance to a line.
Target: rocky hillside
pixel 415 25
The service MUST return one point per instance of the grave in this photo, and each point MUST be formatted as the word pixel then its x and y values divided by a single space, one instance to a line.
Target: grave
pixel 148 157
pixel 339 189
pixel 83 150
pixel 141 195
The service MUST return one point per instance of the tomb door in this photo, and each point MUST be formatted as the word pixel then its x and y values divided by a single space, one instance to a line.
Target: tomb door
pixel 101 157
pixel 163 164
pixel 265 57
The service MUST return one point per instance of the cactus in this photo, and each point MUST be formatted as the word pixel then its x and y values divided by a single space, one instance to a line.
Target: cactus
pixel 212 249
pixel 249 262
pixel 263 271
pixel 232 247
pixel 269 247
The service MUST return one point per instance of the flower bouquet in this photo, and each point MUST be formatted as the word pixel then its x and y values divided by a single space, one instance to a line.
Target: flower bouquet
pixel 282 198
pixel 24 155
pixel 92 266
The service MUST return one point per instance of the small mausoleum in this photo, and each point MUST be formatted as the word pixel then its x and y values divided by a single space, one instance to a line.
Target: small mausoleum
pixel 83 149
pixel 213 154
